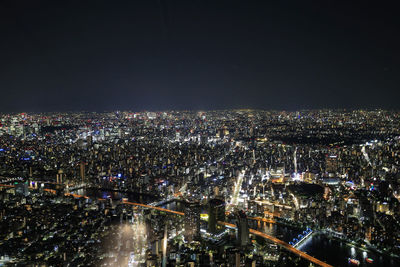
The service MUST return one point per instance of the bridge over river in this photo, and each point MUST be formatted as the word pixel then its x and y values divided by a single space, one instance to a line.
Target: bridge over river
pixel 252 231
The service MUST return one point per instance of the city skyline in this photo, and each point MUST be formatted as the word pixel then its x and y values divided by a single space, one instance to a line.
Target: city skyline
pixel 201 133
pixel 187 188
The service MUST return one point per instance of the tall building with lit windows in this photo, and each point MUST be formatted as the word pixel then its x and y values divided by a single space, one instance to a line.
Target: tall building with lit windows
pixel 242 233
pixel 82 170
pixel 216 212
pixel 192 221
pixel 331 163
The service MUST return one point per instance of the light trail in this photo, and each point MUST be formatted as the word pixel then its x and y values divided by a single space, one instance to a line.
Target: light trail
pixel 283 244
pixel 296 201
pixel 7 185
pixel 366 155
pixel 266 202
pixel 236 191
pixel 255 232
pixel 152 207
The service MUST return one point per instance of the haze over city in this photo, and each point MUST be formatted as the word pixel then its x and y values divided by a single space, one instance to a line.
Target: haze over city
pixel 199 133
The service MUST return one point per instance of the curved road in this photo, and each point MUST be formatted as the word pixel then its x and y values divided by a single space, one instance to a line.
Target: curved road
pixel 283 244
pixel 254 232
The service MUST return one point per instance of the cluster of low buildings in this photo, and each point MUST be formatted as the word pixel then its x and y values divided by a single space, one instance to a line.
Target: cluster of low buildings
pixel 334 171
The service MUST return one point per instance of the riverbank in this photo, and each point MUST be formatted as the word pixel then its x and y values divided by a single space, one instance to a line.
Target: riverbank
pixel 367 247
pixel 336 251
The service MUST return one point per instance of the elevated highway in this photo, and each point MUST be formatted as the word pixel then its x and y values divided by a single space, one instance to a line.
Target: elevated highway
pixel 283 245
pixel 252 231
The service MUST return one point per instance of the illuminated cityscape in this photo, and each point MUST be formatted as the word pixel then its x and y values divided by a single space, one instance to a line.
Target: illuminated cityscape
pixel 201 133
pixel 186 188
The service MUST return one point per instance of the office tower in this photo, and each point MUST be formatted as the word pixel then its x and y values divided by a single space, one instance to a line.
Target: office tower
pixel 82 170
pixel 242 233
pixel 22 189
pixel 192 221
pixel 331 163
pixel 216 212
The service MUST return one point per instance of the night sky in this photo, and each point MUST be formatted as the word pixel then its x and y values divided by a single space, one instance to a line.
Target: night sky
pixel 192 54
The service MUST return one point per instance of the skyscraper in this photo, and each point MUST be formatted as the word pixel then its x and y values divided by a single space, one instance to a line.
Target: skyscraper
pixel 242 233
pixel 216 212
pixel 331 162
pixel 82 170
pixel 22 189
pixel 192 221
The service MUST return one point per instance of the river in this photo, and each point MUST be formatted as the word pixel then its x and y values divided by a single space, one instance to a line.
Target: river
pixel 329 250
pixel 336 252
pixel 319 245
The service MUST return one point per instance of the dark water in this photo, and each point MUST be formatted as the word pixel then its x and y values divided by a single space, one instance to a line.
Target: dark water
pixel 320 246
pixel 279 231
pixel 326 249
pixel 337 253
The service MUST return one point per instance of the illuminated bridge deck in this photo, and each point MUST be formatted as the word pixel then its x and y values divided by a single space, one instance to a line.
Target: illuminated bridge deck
pixel 252 231
pixel 153 207
pixel 283 244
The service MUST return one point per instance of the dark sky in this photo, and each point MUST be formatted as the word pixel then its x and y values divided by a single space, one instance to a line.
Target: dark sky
pixel 197 54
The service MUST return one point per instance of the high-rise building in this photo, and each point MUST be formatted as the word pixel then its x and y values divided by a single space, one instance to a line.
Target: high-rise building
pixel 331 163
pixel 22 189
pixel 192 221
pixel 82 170
pixel 60 176
pixel 242 233
pixel 216 212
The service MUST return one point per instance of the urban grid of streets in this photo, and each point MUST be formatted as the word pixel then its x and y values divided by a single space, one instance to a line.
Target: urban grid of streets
pixel 157 188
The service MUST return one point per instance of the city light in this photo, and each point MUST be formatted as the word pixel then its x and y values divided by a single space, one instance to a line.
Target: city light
pixel 165 197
